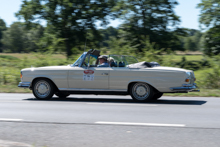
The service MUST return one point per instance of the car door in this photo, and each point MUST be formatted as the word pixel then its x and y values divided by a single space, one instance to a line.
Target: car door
pixel 119 78
pixel 92 78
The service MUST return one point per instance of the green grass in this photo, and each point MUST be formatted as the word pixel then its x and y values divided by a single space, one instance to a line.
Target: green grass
pixel 8 88
pixel 178 58
pixel 202 93
pixel 30 55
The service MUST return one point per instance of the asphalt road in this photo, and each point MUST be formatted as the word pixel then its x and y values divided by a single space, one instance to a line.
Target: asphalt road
pixel 90 120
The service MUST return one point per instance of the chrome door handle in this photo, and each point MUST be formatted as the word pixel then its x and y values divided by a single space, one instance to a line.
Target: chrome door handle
pixel 105 74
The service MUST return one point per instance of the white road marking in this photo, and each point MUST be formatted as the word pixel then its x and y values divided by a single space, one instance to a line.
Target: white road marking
pixel 141 124
pixel 6 143
pixel 143 105
pixel 14 102
pixel 10 119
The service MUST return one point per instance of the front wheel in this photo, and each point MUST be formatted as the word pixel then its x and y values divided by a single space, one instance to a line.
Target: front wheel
pixel 43 89
pixel 141 92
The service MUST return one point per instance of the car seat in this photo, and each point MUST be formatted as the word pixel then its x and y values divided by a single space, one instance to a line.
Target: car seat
pixel 113 64
pixel 121 64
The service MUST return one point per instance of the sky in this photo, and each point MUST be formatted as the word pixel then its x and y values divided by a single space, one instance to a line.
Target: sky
pixel 189 14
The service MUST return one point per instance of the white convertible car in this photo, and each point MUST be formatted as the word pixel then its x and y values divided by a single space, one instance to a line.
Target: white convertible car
pixel 144 81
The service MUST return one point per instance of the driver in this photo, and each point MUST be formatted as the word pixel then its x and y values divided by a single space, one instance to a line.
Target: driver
pixel 103 61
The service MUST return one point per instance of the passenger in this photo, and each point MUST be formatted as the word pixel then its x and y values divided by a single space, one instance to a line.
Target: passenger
pixel 110 61
pixel 103 61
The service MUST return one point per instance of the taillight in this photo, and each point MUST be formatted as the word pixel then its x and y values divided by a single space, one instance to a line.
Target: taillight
pixel 21 75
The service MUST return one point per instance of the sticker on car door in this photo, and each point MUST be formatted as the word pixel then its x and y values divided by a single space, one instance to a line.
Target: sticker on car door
pixel 88 75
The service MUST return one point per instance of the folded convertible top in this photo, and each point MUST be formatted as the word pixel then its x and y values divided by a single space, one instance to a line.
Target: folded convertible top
pixel 143 65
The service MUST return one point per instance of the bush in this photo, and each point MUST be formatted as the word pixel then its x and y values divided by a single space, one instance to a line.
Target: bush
pixel 194 65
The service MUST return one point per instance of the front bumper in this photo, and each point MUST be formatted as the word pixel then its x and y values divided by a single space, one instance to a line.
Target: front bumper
pixel 24 84
pixel 185 88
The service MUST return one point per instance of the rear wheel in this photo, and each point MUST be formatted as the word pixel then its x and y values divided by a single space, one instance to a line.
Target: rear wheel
pixel 43 89
pixel 157 95
pixel 62 94
pixel 141 92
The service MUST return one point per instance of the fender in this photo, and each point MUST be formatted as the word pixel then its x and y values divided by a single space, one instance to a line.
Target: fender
pixel 143 81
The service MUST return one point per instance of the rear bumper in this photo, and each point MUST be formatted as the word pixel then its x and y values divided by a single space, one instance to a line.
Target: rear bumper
pixel 24 84
pixel 185 88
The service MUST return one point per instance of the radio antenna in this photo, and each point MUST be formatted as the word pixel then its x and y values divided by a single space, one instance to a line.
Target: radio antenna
pixel 85 43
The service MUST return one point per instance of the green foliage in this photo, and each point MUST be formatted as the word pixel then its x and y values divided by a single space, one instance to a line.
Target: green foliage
pixel 10 66
pixel 210 12
pixel 17 39
pixel 150 18
pixel 150 52
pixel 120 46
pixel 212 41
pixel 194 65
pixel 212 80
pixel 2 28
pixel 70 19
pixel 209 18
pixel 189 44
pixel 192 40
pixel 8 57
pixel 107 34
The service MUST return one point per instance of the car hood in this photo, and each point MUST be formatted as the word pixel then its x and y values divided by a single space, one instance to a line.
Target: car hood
pixel 164 68
pixel 47 68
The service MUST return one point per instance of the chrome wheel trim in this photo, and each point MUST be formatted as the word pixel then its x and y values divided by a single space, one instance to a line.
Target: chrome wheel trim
pixel 42 89
pixel 141 91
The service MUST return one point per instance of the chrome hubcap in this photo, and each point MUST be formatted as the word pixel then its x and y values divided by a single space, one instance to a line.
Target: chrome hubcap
pixel 42 89
pixel 141 91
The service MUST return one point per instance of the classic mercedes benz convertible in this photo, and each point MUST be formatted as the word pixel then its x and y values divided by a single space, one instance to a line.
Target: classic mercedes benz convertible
pixel 124 75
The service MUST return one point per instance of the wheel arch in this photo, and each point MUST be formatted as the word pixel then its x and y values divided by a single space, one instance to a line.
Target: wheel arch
pixel 36 78
pixel 136 81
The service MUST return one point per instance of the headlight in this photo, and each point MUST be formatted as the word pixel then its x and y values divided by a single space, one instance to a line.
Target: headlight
pixel 188 76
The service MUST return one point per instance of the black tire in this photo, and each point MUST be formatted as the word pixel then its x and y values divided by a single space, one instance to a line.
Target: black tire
pixel 141 92
pixel 62 94
pixel 43 89
pixel 157 95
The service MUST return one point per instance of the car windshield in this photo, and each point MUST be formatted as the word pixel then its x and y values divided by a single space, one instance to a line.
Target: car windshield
pixel 79 60
pixel 123 59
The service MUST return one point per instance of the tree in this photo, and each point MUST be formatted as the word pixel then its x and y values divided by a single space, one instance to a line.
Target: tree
pixel 212 41
pixel 2 28
pixel 107 34
pixel 13 38
pixel 210 18
pixel 210 12
pixel 189 44
pixel 191 41
pixel 71 19
pixel 17 39
pixel 150 18
pixel 32 38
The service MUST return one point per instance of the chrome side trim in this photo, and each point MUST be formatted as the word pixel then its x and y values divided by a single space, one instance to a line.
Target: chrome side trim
pixel 24 84
pixel 82 89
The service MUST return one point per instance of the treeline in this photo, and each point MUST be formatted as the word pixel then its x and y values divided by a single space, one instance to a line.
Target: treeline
pixel 69 24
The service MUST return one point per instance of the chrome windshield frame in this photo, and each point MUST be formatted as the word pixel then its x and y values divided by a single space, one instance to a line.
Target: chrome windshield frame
pixel 83 56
